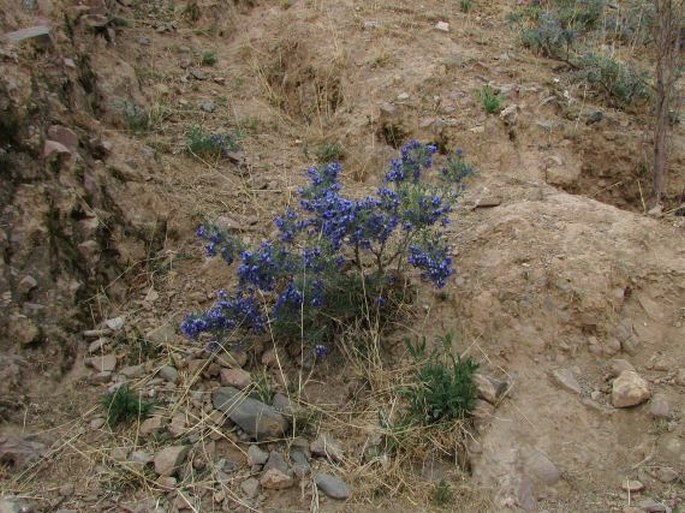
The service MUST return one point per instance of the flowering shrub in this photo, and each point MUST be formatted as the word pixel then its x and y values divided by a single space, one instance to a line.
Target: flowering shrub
pixel 214 145
pixel 338 259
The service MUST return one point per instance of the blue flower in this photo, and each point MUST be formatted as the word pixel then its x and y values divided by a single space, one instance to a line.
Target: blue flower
pixel 431 257
pixel 320 350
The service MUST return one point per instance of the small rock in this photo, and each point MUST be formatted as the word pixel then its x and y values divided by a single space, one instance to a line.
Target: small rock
pixel 274 479
pixel 488 202
pixel 98 345
pixel 256 456
pixel 442 26
pixel 680 377
pixel 666 475
pixel 97 423
pixel 283 404
pixel 40 35
pixel 10 504
pixel 169 459
pixel 250 487
pixel 177 426
pixel 64 136
pixel 26 284
pixel 166 482
pixel 629 389
pixel 141 458
pixel 104 363
pixel 618 365
pixel 115 324
pixel 488 388
pixel 301 465
pixel 238 378
pixel 326 447
pixel 254 417
pixel 659 407
pixel 542 467
pixel 402 97
pixel 276 461
pixel 169 373
pixel 208 106
pixel 198 74
pixel 567 380
pixel 632 486
pixel 652 506
pixel 133 371
pixel 150 426
pixel 333 486
pixel 162 334
pixel 16 452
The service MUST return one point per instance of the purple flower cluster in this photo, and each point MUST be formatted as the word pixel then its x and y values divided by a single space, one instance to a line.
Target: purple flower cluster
pixel 414 159
pixel 218 241
pixel 303 275
pixel 430 255
pixel 228 313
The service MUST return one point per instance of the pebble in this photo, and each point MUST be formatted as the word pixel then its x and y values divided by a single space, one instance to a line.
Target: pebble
pixel 325 446
pixel 629 389
pixel 98 345
pixel 250 487
pixel 167 482
pixel 333 486
pixel 115 324
pixel 104 363
pixel 133 371
pixel 238 378
pixel 274 479
pixel 659 407
pixel 169 374
pixel 276 461
pixel 567 380
pixel 442 26
pixel 97 423
pixel 162 334
pixel 632 486
pixel 666 475
pixel 208 106
pixel 169 459
pixel 150 426
pixel 177 426
pixel 255 418
pixel 256 456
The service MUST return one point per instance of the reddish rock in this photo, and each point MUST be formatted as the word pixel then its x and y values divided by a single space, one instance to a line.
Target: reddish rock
pixel 63 135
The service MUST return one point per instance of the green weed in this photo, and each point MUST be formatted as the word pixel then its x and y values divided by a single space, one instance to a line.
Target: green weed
pixel 443 386
pixel 329 152
pixel 209 58
pixel 124 405
pixel 442 493
pixel 490 100
pixel 621 83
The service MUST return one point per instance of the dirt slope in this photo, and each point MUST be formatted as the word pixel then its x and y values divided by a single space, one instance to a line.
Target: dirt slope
pixel 553 278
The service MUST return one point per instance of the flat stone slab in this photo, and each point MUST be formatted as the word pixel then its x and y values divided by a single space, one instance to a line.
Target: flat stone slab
pixel 257 419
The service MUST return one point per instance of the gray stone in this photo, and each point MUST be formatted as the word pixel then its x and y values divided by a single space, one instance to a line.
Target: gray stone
pixel 162 334
pixel 256 456
pixel 133 371
pixel 150 426
pixel 524 494
pixel 64 136
pixel 274 479
pixel 11 504
pixel 208 106
pixel 326 447
pixel 257 419
pixel 198 74
pixel 169 373
pixel 238 378
pixel 659 407
pixel 618 365
pixel 567 380
pixel 276 461
pixel 18 452
pixel 300 465
pixel 652 506
pixel 104 363
pixel 250 487
pixel 98 345
pixel 26 284
pixel 115 324
pixel 666 475
pixel 333 486
pixel 40 35
pixel 542 468
pixel 169 459
pixel 283 404
pixel 629 389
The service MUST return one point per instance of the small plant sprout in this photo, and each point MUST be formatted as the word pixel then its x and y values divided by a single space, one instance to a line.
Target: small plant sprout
pixel 124 405
pixel 490 100
pixel 210 145
pixel 208 58
pixel 338 260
